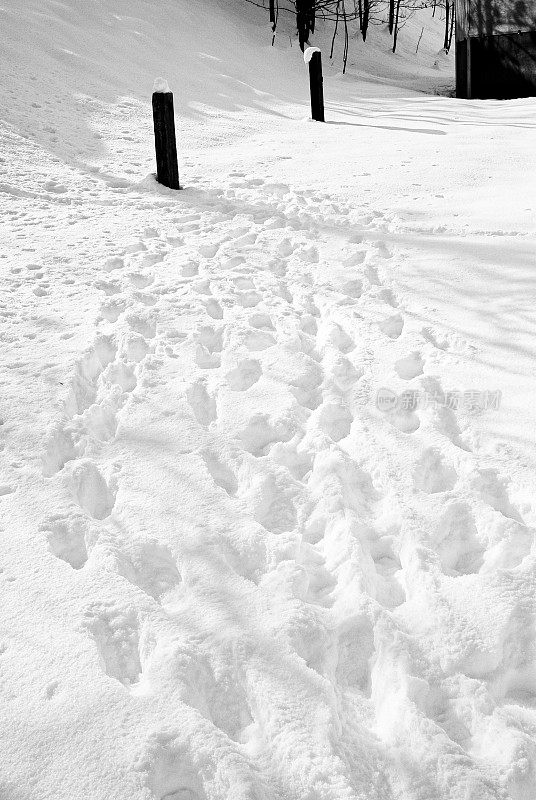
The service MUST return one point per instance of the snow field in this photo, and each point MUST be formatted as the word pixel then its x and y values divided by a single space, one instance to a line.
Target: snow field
pixel 333 556
pixel 225 573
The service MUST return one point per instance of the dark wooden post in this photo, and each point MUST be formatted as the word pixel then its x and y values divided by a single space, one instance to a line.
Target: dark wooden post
pixel 167 170
pixel 316 83
pixel 272 11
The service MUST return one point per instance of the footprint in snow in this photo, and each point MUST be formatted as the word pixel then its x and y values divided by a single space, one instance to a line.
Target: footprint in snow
pixel 344 373
pixel 258 340
pixel 285 248
pixel 150 259
pixel 249 299
pixel 243 284
pixel 277 266
pixel 410 366
pixel 205 359
pixel 233 262
pixel 354 259
pixel 455 539
pixel 244 375
pixel 113 263
pixel 210 338
pixel 337 337
pixel 209 250
pixel 87 372
pixel 392 326
pixel 108 287
pixel 66 536
pixel 90 489
pixel 335 420
pixel 202 287
pixel 190 269
pixel 405 421
pixel 355 649
pixel 112 309
pixel 115 631
pixel 142 324
pixel 201 402
pixel 262 321
pixel 383 250
pixel 221 474
pixel 385 295
pixel 271 498
pixel 432 474
pixel 309 254
pixel 145 298
pixel 134 347
pixel 283 292
pixel 308 325
pixel 441 341
pixel 261 431
pixel 139 280
pixel 122 375
pixel 353 289
pixel 214 309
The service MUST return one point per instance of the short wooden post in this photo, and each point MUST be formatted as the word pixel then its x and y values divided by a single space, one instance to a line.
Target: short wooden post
pixel 316 83
pixel 167 169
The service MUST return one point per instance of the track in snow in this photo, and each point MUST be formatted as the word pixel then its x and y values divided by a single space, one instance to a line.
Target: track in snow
pixel 224 456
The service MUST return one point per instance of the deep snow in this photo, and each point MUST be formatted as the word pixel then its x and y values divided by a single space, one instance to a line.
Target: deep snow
pixel 225 572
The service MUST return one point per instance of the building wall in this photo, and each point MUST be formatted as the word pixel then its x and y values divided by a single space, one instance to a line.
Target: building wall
pixel 496 48
pixel 492 17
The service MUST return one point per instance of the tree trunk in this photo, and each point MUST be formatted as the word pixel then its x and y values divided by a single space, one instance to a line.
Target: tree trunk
pixel 395 38
pixel 335 29
pixel 366 16
pixel 305 20
pixel 451 32
pixel 391 16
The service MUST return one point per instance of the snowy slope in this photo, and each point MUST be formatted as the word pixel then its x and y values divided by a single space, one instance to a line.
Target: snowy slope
pixel 225 573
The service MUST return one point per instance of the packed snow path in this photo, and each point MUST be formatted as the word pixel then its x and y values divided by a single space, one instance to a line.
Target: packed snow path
pixel 272 588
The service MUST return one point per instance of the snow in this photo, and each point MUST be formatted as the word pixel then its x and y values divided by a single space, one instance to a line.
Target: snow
pixel 161 86
pixel 308 53
pixel 225 572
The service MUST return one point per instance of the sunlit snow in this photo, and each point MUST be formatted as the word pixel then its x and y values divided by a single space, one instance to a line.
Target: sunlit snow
pixel 268 443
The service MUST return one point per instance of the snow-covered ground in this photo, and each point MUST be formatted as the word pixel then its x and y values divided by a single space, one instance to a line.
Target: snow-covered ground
pixel 225 572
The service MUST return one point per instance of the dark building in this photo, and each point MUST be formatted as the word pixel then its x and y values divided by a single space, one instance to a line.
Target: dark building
pixel 495 48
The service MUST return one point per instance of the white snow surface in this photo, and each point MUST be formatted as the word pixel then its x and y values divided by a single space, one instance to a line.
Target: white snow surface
pixel 161 86
pixel 225 574
pixel 308 53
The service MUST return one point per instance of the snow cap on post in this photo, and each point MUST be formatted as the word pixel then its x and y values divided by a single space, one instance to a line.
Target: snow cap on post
pixel 161 86
pixel 308 53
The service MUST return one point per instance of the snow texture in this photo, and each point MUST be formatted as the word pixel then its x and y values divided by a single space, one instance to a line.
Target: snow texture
pixel 161 86
pixel 230 567
pixel 308 53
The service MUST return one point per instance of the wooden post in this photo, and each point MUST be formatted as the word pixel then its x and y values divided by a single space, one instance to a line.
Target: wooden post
pixel 316 83
pixel 167 170
pixel 272 12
